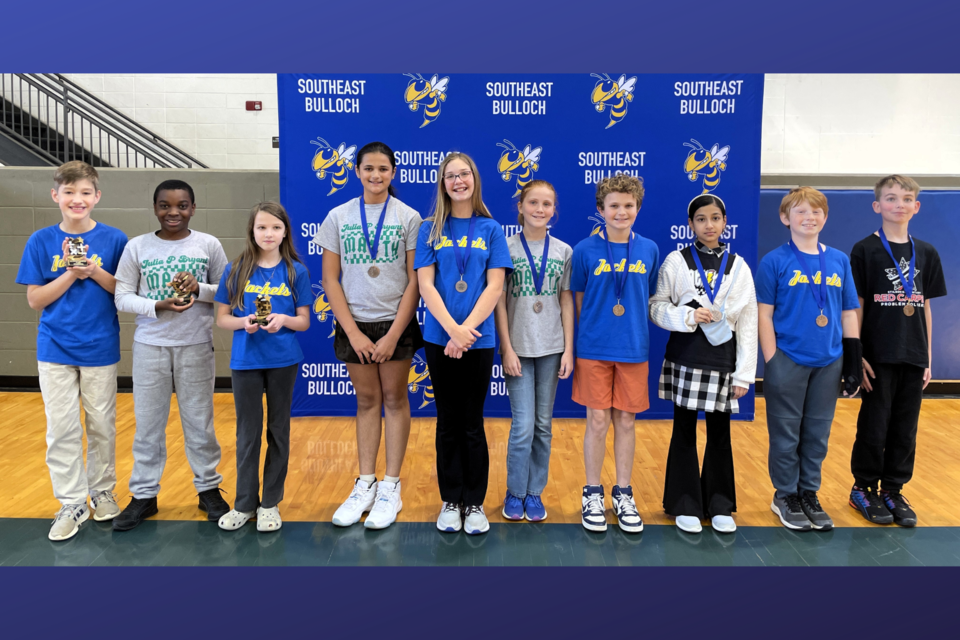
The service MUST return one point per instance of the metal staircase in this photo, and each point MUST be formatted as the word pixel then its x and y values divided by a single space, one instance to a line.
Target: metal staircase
pixel 46 119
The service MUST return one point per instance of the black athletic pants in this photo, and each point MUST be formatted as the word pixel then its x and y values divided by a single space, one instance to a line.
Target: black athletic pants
pixel 460 389
pixel 687 491
pixel 886 443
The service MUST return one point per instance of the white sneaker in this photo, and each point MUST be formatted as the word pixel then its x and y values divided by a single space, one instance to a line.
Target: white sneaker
pixel 268 519
pixel 233 519
pixel 475 521
pixel 104 506
pixel 386 507
pixel 449 520
pixel 690 524
pixel 723 524
pixel 361 499
pixel 68 520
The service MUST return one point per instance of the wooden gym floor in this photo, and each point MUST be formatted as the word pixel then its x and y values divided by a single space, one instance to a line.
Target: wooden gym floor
pixel 323 466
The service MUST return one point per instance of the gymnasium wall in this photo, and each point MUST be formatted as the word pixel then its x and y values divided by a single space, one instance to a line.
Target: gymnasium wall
pixel 224 199
pixel 812 123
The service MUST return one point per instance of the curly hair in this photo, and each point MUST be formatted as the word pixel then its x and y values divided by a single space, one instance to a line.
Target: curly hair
pixel 622 183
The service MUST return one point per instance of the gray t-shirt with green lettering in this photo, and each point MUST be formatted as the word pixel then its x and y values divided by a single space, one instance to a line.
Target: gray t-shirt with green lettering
pixel 371 299
pixel 536 334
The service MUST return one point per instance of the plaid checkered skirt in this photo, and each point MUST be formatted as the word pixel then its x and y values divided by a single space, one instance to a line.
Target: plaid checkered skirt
pixel 697 389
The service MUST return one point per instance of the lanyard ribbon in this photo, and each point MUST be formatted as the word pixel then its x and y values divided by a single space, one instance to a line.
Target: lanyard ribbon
pixel 537 279
pixel 461 258
pixel 907 279
pixel 618 279
pixel 820 295
pixel 372 246
pixel 711 290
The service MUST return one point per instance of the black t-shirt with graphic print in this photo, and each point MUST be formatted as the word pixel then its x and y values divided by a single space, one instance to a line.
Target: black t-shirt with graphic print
pixel 693 349
pixel 888 335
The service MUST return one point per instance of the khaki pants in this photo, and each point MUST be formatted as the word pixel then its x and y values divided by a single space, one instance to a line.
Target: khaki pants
pixel 63 388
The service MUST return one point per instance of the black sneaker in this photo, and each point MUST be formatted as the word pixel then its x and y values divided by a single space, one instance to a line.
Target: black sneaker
pixel 899 508
pixel 211 502
pixel 815 514
pixel 790 512
pixel 870 506
pixel 134 513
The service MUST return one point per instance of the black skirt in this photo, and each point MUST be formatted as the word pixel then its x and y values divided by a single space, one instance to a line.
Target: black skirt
pixel 410 340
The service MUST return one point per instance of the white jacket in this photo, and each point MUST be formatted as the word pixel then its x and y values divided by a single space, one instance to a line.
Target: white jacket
pixel 677 285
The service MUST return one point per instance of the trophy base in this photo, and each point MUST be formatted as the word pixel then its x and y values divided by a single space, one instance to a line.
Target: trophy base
pixel 76 262
pixel 181 302
pixel 260 321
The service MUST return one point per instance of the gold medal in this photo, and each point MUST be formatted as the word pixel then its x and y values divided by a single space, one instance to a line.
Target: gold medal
pixel 822 320
pixel 373 271
pixel 909 309
pixel 537 306
pixel 618 310
pixel 461 286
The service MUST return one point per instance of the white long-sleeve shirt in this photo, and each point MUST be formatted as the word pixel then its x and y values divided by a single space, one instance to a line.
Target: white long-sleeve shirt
pixel 677 285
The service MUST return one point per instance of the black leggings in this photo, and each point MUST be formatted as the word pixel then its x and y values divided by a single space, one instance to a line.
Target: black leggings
pixel 687 492
pixel 460 389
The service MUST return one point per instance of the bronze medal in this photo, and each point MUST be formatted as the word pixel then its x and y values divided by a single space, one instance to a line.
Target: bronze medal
pixel 716 314
pixel 618 310
pixel 537 306
pixel 909 309
pixel 822 320
pixel 373 271
pixel 461 286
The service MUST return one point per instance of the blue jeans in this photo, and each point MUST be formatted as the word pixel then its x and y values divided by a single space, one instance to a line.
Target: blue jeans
pixel 531 403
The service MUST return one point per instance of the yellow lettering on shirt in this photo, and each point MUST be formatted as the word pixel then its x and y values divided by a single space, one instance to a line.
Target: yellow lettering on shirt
pixel 282 290
pixel 798 277
pixel 61 263
pixel 636 267
pixel 462 242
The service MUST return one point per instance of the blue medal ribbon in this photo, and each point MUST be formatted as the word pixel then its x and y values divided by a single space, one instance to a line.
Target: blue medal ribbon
pixel 711 290
pixel 537 279
pixel 462 258
pixel 819 294
pixel 907 279
pixel 618 279
pixel 372 246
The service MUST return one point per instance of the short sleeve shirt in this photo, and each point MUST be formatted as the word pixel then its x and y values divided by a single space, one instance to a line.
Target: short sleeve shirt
pixel 371 299
pixel 780 282
pixel 488 251
pixel 81 327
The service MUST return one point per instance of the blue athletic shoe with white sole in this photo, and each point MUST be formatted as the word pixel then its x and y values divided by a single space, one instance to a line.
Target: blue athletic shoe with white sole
pixel 512 507
pixel 533 509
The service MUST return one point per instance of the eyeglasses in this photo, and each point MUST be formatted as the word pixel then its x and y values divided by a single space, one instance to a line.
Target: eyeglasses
pixel 463 175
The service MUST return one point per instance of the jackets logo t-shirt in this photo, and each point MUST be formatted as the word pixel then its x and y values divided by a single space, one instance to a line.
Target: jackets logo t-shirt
pixel 262 349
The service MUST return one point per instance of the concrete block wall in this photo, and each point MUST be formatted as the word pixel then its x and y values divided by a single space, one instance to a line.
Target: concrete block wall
pixel 224 199
pixel 203 114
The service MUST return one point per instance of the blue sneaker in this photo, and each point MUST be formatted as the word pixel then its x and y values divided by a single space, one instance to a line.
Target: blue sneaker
pixel 512 507
pixel 533 508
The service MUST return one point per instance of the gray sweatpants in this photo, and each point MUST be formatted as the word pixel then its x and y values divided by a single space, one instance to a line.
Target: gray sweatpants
pixel 800 403
pixel 155 370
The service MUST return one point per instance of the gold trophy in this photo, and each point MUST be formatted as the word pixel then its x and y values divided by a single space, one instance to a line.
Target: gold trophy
pixel 263 309
pixel 76 254
pixel 181 297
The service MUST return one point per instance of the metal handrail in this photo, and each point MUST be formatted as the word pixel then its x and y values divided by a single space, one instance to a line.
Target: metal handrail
pixel 106 137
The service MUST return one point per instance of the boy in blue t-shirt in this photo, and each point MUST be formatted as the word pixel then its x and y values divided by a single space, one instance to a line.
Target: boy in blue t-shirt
pixel 78 347
pixel 810 337
pixel 614 273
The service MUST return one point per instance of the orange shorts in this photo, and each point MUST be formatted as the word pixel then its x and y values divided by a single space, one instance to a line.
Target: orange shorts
pixel 599 384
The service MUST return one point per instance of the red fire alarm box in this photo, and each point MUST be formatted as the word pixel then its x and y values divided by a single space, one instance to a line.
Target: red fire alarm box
pixel 254 105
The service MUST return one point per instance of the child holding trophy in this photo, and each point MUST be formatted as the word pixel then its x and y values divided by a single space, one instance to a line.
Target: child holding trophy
pixel 264 357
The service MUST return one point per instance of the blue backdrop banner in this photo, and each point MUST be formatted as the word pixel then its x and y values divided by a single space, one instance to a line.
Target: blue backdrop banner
pixel 684 135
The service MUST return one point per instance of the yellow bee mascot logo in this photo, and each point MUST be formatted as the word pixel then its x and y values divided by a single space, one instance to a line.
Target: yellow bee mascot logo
pixel 615 95
pixel 429 94
pixel 514 162
pixel 336 162
pixel 419 380
pixel 321 308
pixel 709 164
pixel 599 224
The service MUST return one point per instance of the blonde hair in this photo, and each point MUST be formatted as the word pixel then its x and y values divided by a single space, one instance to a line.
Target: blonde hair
pixel 623 183
pixel 73 172
pixel 242 268
pixel 803 194
pixel 442 205
pixel 533 184
pixel 907 184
